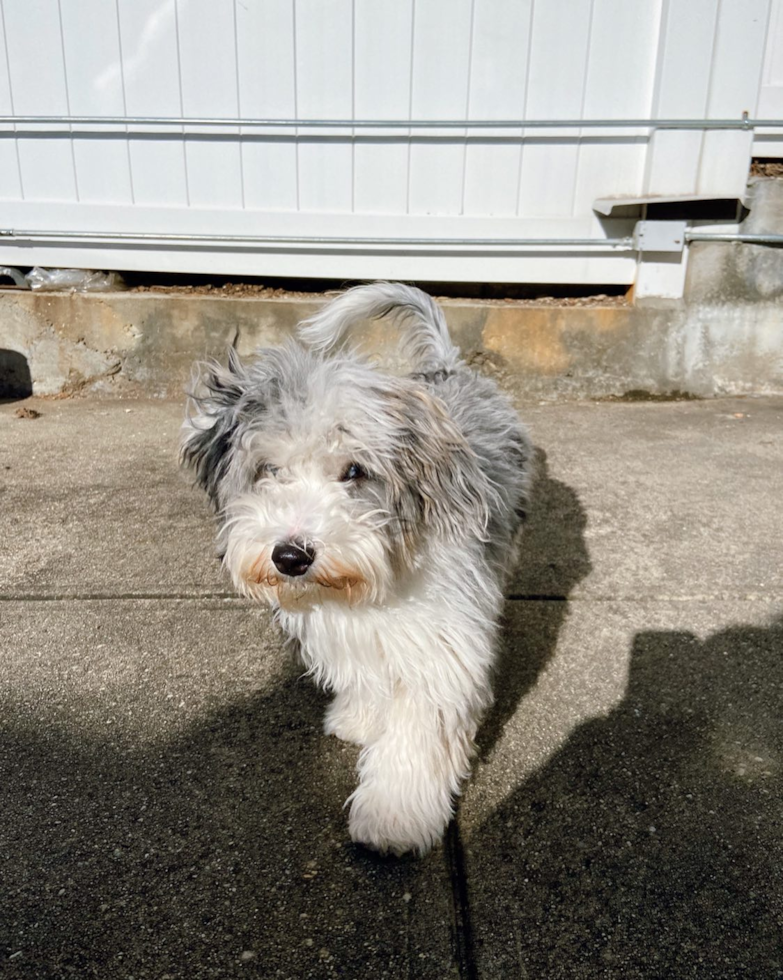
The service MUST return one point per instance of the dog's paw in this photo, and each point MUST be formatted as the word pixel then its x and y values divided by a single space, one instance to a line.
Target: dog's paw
pixel 385 826
pixel 347 721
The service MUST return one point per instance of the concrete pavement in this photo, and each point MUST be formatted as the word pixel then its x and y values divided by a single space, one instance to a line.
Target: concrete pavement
pixel 169 808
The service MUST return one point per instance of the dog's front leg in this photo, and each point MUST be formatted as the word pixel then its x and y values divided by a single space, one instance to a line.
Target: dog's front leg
pixel 353 715
pixel 409 774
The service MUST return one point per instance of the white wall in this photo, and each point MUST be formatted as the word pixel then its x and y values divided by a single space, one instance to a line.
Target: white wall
pixel 367 59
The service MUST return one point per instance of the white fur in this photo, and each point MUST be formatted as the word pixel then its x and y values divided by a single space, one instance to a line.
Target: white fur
pixel 397 614
pixel 411 678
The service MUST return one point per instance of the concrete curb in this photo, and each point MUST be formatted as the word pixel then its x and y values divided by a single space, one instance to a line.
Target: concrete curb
pixel 136 343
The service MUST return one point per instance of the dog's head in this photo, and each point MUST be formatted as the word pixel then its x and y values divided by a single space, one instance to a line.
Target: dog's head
pixel 331 480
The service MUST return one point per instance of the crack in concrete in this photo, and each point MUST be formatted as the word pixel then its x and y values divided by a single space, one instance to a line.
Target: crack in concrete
pixel 461 927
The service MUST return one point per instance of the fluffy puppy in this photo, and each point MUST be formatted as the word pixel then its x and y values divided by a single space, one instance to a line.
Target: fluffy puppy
pixel 377 516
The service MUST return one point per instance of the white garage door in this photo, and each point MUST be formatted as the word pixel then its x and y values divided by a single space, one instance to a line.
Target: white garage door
pixel 90 176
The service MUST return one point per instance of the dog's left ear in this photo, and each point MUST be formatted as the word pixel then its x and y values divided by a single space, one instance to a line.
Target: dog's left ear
pixel 211 422
pixel 435 468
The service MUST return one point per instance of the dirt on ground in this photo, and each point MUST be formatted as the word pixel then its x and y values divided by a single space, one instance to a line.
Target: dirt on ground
pixel 242 289
pixel 251 290
pixel 766 168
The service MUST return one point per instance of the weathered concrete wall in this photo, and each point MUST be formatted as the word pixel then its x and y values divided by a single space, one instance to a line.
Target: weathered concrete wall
pixel 125 343
pixel 67 344
pixel 725 273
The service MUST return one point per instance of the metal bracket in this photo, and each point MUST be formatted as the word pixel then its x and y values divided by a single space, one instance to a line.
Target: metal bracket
pixel 659 236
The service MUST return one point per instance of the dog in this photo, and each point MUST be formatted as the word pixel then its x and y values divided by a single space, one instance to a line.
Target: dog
pixel 378 516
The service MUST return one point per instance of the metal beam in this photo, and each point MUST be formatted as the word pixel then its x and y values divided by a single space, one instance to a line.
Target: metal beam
pixel 743 123
pixel 242 241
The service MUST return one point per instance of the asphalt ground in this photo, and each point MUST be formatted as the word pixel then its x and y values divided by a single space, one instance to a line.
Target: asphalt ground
pixel 170 809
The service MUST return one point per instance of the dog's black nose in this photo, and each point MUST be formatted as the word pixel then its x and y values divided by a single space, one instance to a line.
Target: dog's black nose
pixel 293 557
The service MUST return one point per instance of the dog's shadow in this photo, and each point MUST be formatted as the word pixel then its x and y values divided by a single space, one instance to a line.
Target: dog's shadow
pixel 553 558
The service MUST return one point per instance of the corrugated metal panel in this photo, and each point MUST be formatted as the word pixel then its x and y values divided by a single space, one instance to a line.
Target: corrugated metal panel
pixel 390 59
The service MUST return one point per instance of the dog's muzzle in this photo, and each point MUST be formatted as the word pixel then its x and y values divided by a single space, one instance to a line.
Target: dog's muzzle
pixel 293 558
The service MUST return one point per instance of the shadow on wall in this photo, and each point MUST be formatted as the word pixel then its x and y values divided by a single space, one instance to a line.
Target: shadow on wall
pixel 15 379
pixel 651 845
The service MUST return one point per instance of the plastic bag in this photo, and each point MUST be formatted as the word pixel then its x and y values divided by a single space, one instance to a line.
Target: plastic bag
pixel 76 280
pixel 6 272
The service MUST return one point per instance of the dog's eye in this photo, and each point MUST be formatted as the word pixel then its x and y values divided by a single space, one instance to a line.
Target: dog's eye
pixel 352 472
pixel 265 469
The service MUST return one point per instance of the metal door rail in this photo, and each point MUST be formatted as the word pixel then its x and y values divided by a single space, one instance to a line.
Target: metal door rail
pixel 155 122
pixel 240 241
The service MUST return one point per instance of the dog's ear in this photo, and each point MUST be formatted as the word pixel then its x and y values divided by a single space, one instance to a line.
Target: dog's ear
pixel 211 421
pixel 435 473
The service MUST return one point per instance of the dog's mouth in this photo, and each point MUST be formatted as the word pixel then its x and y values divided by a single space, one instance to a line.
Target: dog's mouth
pixel 324 582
